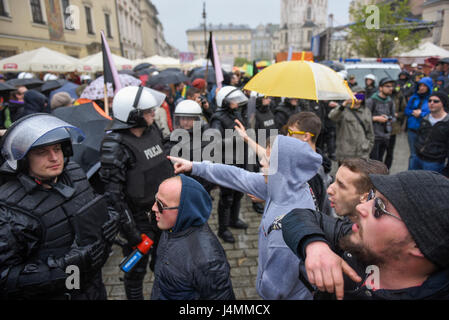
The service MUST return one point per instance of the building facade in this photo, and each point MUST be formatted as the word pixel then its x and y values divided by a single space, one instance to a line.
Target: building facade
pixel 263 42
pixel 300 21
pixel 73 27
pixel 231 40
pixel 437 11
pixel 68 26
pixel 130 24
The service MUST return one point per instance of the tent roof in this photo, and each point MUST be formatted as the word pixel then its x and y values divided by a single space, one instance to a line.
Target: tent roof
pixel 427 49
pixel 94 63
pixel 40 60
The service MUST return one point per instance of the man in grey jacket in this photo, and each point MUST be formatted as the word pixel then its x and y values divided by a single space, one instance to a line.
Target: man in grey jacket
pixel 355 134
pixel 383 112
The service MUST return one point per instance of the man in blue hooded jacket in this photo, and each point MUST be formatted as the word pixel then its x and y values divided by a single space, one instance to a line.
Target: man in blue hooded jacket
pixel 417 108
pixel 191 262
pixel 288 165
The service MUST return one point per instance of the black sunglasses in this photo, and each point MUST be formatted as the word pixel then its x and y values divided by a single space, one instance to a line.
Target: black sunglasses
pixel 379 207
pixel 434 101
pixel 161 208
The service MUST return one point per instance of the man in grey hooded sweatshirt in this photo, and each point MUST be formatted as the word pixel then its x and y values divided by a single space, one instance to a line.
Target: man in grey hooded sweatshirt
pixel 283 186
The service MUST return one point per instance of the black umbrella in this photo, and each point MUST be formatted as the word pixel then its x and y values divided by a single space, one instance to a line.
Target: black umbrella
pixel 129 72
pixel 29 83
pixel 147 71
pixel 6 87
pixel 52 85
pixel 85 117
pixel 167 77
pixel 200 73
pixel 141 66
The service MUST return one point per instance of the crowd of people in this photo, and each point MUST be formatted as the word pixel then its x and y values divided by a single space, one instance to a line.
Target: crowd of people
pixel 320 236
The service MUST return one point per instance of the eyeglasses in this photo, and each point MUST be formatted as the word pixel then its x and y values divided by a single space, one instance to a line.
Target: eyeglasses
pixel 161 208
pixel 379 207
pixel 290 132
pixel 434 101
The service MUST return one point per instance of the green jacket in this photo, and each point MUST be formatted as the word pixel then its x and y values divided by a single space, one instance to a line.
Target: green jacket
pixel 352 141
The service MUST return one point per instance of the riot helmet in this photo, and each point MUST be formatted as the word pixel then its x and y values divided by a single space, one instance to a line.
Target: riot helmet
pixel 261 99
pixel 228 95
pixel 130 103
pixel 186 113
pixel 371 77
pixel 37 130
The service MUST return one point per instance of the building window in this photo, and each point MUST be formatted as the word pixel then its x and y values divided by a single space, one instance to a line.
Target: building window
pixel 108 25
pixel 90 29
pixel 309 13
pixel 309 35
pixel 3 10
pixel 36 11
pixel 66 13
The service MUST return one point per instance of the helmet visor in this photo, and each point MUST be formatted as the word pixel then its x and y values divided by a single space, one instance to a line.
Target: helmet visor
pixel 158 96
pixel 236 97
pixel 186 121
pixel 37 131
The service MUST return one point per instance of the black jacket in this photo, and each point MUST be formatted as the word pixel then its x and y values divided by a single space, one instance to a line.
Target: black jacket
pixel 191 263
pixel 37 225
pixel 300 227
pixel 432 143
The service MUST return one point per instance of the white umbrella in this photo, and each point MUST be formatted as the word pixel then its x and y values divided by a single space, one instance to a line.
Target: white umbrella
pixel 95 90
pixel 94 63
pixel 40 60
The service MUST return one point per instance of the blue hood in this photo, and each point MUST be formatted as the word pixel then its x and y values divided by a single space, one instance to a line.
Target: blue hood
pixel 292 163
pixel 428 82
pixel 195 205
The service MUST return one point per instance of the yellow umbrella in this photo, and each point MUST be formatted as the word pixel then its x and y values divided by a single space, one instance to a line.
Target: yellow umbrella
pixel 301 80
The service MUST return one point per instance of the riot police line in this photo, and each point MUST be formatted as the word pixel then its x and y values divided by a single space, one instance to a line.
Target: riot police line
pixel 54 223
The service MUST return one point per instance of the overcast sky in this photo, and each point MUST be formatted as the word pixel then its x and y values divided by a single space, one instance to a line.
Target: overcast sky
pixel 179 15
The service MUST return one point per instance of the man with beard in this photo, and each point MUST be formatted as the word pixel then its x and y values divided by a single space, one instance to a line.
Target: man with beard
pixel 398 247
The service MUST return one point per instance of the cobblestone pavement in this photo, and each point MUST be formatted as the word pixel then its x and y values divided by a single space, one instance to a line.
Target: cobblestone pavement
pixel 242 255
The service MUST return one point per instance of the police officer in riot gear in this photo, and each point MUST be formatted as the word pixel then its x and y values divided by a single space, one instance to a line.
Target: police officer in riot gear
pixel 133 164
pixel 188 119
pixel 286 109
pixel 231 103
pixel 50 217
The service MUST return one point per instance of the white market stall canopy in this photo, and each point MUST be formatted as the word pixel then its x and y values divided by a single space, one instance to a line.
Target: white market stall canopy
pixel 39 60
pixel 160 62
pixel 424 51
pixel 94 63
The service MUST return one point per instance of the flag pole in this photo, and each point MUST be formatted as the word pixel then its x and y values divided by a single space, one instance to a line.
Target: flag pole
pixel 106 100
pixel 205 43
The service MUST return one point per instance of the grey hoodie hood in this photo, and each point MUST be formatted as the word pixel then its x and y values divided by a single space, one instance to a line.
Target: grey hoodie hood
pixel 292 163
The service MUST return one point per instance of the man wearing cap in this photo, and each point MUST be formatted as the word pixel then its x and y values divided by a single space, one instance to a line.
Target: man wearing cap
pixel 355 135
pixel 383 112
pixel 398 248
pixel 352 82
pixel 432 143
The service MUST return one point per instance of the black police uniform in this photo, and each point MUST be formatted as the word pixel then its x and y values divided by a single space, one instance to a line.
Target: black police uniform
pixel 132 169
pixel 194 150
pixel 42 231
pixel 283 112
pixel 229 203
